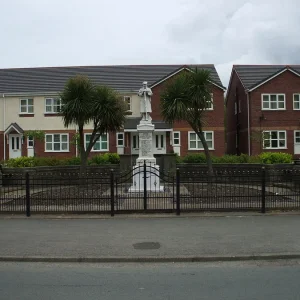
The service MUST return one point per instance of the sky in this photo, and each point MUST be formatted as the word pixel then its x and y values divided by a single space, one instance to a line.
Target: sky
pixel 45 33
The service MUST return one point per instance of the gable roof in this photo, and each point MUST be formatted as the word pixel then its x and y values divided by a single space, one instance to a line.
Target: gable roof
pixel 253 76
pixel 14 127
pixel 123 78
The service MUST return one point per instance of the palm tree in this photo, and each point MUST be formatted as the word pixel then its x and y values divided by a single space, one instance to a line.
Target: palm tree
pixel 186 98
pixel 84 103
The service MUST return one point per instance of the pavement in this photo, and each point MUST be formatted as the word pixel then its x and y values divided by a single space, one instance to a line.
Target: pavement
pixel 188 238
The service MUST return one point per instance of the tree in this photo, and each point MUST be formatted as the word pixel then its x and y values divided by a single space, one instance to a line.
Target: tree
pixel 186 98
pixel 84 103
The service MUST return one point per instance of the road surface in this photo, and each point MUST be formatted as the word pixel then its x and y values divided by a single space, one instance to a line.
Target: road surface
pixel 230 280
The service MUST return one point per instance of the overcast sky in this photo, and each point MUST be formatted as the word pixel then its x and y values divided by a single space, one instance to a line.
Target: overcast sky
pixel 38 33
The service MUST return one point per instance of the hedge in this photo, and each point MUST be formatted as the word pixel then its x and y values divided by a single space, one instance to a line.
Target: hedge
pixel 22 162
pixel 263 158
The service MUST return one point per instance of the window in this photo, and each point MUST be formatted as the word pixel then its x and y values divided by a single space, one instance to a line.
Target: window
pixel 135 141
pixel 127 100
pixel 274 139
pixel 296 101
pixel 176 138
pixel 210 103
pixel 120 139
pixel 52 105
pixel 196 144
pixel 26 106
pixel 100 145
pixel 273 101
pixel 235 108
pixel 159 141
pixel 57 142
pixel 240 108
pixel 30 142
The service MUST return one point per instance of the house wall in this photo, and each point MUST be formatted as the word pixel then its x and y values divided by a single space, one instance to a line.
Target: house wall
pixel 214 120
pixel 237 124
pixel 286 83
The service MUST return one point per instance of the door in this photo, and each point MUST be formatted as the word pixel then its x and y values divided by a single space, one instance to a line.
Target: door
pixel 297 142
pixel 30 146
pixel 15 146
pixel 159 143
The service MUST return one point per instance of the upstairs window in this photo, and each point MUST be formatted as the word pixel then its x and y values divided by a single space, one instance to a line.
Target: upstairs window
pixel 53 105
pixel 273 102
pixel 210 103
pixel 296 101
pixel 26 106
pixel 127 100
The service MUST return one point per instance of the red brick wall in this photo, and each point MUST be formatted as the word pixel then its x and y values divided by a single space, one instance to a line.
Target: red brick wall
pixel 214 119
pixel 286 83
pixel 236 94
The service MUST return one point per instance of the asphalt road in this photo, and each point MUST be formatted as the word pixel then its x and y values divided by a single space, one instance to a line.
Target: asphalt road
pixel 150 237
pixel 264 280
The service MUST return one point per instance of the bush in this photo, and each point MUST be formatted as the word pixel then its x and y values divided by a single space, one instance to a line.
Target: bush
pixel 275 158
pixel 265 158
pixel 25 162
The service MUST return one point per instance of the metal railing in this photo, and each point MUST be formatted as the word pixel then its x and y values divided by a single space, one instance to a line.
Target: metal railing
pixel 179 191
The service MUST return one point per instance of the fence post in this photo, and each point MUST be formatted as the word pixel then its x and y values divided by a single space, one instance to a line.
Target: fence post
pixel 145 186
pixel 28 213
pixel 177 192
pixel 263 191
pixel 112 193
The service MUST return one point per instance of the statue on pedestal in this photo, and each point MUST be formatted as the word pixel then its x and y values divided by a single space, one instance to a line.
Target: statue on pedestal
pixel 145 102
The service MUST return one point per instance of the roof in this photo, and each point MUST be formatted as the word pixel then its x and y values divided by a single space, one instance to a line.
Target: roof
pixel 14 127
pixel 254 75
pixel 123 78
pixel 131 124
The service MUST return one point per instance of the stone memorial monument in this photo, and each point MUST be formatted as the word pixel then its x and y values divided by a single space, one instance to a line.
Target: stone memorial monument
pixel 145 130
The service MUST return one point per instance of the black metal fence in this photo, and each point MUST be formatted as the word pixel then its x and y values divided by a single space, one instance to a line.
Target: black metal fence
pixel 148 189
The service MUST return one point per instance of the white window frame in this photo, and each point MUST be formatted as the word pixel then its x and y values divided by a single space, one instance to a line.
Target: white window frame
pixel 173 138
pixel 277 101
pixel 130 102
pixel 98 141
pixel 270 139
pixel 117 138
pixel 27 106
pixel 198 139
pixel 60 142
pixel 29 140
pixel 211 102
pixel 297 94
pixel 52 105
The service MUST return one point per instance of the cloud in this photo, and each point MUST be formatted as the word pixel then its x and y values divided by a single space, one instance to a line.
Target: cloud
pixel 55 33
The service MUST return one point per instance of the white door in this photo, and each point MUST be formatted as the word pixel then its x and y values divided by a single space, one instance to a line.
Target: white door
pixel 159 143
pixel 297 142
pixel 15 144
pixel 30 146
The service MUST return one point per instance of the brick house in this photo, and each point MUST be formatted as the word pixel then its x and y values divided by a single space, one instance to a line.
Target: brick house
pixel 263 109
pixel 30 101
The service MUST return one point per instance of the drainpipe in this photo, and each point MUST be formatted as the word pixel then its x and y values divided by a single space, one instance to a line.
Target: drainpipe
pixel 248 108
pixel 4 121
pixel 76 146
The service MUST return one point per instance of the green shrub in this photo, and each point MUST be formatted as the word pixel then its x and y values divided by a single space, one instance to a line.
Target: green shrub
pixel 197 158
pixel 73 161
pixel 275 158
pixel 113 158
pixel 99 159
